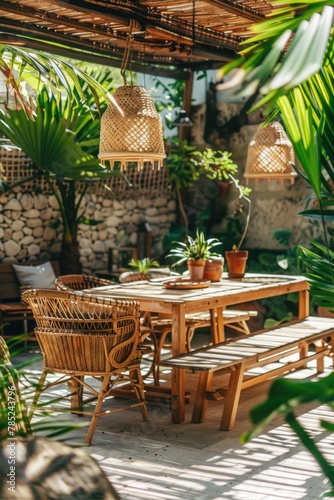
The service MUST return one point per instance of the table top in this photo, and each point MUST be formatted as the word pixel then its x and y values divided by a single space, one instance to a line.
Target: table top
pixel 232 290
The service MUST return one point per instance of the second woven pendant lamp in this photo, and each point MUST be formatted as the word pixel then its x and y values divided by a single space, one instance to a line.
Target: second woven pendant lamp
pixel 136 138
pixel 270 154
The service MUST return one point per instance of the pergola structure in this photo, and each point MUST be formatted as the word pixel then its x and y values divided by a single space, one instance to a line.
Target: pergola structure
pixel 171 37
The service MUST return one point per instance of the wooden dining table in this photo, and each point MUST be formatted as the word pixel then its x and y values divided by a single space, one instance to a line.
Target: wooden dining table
pixel 153 296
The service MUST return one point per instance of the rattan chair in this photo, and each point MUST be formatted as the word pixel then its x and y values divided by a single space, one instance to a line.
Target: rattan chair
pixel 83 336
pixel 70 282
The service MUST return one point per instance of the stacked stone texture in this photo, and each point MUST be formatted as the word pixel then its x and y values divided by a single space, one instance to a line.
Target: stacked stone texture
pixel 26 233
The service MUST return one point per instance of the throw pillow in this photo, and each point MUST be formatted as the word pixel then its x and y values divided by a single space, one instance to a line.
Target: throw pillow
pixel 41 276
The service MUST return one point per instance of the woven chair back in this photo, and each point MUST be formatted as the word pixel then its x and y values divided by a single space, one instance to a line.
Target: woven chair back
pixel 70 282
pixel 131 276
pixel 76 311
pixel 76 352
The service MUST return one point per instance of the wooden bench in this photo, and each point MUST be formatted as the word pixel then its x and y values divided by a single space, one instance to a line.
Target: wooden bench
pixel 11 307
pixel 264 351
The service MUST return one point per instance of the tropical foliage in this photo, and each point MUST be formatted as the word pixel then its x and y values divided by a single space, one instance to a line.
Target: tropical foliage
pixel 297 83
pixel 143 265
pixel 187 167
pixel 289 64
pixel 59 141
pixel 198 248
pixel 20 66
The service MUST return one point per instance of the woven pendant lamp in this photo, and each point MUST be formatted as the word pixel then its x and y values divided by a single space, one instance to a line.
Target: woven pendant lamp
pixel 270 154
pixel 135 138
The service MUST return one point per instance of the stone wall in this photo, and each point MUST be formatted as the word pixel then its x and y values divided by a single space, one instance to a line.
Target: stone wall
pixel 25 232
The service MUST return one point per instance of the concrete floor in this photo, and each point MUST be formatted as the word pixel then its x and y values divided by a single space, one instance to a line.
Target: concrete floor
pixel 159 460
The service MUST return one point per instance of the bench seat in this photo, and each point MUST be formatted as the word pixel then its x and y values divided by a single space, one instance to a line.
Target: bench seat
pixel 240 355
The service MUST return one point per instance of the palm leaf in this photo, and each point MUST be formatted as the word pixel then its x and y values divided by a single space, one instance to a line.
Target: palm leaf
pixel 54 70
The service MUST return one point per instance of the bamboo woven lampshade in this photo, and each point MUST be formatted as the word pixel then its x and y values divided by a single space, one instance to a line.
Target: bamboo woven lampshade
pixel 135 138
pixel 270 154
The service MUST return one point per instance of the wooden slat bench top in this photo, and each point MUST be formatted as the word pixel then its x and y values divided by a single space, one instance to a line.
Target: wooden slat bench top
pixel 270 349
pixel 257 345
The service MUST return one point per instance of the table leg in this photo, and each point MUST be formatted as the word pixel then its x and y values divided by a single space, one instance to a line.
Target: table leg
pixel 304 304
pixel 178 376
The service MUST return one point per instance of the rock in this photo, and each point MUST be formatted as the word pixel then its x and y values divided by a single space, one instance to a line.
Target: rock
pixel 27 240
pixel 130 205
pixel 99 246
pixel 90 208
pixel 113 221
pixel 33 222
pixel 46 214
pixel 32 214
pixel 49 234
pixel 84 243
pixel 17 225
pixel 53 202
pixel 14 205
pixel 38 232
pixel 151 212
pixel 11 248
pixel 107 203
pixel 41 202
pixel 17 236
pixel 118 205
pixel 27 201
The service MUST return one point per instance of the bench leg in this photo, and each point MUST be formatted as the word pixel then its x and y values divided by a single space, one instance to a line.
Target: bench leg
pixel 303 351
pixel 232 398
pixel 201 402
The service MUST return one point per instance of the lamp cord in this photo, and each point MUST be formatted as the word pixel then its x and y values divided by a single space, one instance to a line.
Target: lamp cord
pixel 127 52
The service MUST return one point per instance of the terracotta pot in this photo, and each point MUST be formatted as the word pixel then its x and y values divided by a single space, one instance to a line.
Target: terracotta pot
pixel 325 312
pixel 213 269
pixel 236 262
pixel 196 269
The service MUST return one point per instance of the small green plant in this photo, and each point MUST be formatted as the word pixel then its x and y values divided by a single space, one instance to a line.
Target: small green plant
pixel 198 248
pixel 143 265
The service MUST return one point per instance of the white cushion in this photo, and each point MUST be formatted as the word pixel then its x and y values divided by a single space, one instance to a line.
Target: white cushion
pixel 41 276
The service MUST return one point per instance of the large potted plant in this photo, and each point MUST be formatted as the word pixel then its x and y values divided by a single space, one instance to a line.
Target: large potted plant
pixel 195 251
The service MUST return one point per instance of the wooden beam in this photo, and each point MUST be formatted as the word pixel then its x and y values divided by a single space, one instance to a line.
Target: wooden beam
pixel 239 10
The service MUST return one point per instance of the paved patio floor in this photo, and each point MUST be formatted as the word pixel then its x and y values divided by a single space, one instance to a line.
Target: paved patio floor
pixel 159 460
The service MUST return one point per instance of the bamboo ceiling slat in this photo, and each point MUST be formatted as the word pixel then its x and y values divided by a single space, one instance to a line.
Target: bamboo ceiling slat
pixel 173 35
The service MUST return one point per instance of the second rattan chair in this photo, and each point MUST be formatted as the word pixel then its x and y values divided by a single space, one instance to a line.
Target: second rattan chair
pixel 83 336
pixel 69 282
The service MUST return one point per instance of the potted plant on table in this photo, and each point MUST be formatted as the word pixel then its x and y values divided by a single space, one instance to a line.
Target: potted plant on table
pixel 196 252
pixel 237 258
